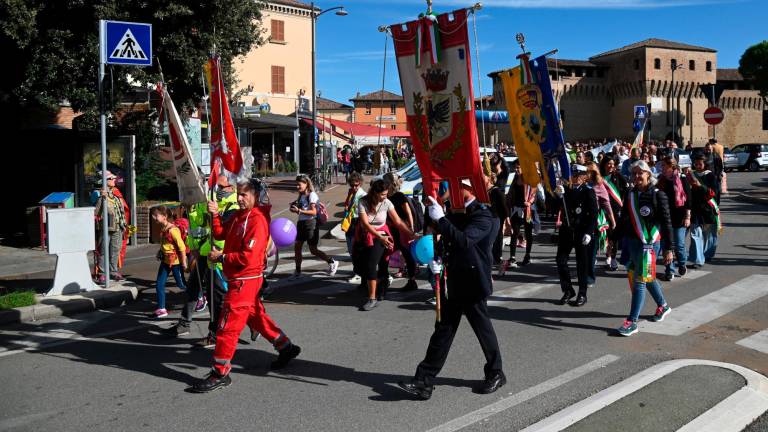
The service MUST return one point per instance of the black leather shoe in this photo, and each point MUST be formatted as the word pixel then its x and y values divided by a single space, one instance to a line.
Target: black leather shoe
pixel 417 388
pixel 211 382
pixel 284 356
pixel 581 300
pixel 566 297
pixel 492 383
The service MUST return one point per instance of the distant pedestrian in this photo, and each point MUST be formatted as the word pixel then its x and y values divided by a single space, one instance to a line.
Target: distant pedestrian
pixel 521 200
pixel 308 228
pixel 351 217
pixel 172 255
pixel 678 190
pixel 117 224
pixel 616 186
pixel 406 214
pixel 705 213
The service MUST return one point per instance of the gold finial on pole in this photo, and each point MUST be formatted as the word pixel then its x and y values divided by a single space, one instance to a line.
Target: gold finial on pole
pixel 520 38
pixel 429 7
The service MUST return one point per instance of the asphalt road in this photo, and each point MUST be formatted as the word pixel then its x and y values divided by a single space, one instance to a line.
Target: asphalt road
pixel 114 370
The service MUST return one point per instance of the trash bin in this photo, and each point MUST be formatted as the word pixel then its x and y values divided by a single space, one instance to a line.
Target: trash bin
pixel 53 200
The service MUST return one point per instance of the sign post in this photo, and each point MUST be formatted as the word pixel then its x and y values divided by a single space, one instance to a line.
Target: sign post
pixel 121 43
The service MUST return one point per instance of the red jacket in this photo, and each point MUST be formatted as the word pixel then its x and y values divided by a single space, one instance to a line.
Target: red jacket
pixel 245 236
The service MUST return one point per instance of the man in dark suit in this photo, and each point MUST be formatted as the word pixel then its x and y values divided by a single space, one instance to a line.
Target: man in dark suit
pixel 579 222
pixel 468 238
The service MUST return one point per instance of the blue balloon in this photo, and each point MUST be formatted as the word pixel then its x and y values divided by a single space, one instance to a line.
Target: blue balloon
pixel 423 249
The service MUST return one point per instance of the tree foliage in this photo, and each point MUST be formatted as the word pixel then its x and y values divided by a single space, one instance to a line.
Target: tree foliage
pixel 753 65
pixel 54 46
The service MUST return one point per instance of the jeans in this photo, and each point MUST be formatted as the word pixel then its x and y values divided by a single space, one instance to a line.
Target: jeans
pixel 703 245
pixel 635 249
pixel 162 277
pixel 681 253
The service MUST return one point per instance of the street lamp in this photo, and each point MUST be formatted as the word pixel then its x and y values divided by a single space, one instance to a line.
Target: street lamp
pixel 315 15
pixel 674 67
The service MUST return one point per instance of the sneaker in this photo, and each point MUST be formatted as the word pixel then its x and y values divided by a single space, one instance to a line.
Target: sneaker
pixel 161 313
pixel 101 279
pixel 181 328
pixel 254 335
pixel 201 304
pixel 332 267
pixel 628 328
pixel 206 342
pixel 503 267
pixel 614 265
pixel 356 279
pixel 513 263
pixel 667 277
pixel 390 279
pixel 411 286
pixel 431 301
pixel 211 382
pixel 526 260
pixel 117 277
pixel 682 270
pixel 369 305
pixel 661 313
pixel 285 355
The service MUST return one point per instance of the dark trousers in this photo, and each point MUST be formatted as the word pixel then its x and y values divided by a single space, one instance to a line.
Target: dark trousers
pixel 201 279
pixel 517 223
pixel 567 241
pixel 498 244
pixel 476 312
pixel 592 256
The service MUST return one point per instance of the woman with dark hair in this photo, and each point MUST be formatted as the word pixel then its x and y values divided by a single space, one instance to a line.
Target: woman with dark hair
pixel 308 228
pixel 172 255
pixel 375 241
pixel 605 216
pixel 678 191
pixel 616 186
pixel 705 214
pixel 645 226
pixel 521 198
pixel 403 209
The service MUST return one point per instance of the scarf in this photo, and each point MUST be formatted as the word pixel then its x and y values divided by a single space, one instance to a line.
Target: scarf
pixel 677 184
pixel 645 269
pixel 613 191
pixel 716 208
pixel 602 229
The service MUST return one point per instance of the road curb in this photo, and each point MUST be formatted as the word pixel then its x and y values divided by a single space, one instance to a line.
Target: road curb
pixel 55 306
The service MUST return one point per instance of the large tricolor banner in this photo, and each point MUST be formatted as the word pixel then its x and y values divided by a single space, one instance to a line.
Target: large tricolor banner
pixel 435 75
pixel 188 177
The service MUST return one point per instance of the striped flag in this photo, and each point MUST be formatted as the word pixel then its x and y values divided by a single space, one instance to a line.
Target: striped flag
pixel 639 137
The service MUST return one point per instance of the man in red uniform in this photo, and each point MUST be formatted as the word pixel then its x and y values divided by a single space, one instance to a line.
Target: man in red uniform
pixel 246 234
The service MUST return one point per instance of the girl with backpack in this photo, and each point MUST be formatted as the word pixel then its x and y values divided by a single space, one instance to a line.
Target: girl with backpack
pixel 309 209
pixel 172 255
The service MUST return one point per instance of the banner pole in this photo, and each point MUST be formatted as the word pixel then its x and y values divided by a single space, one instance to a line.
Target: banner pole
pixel 103 126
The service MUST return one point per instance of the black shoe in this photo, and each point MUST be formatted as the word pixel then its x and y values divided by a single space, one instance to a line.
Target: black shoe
pixel 180 329
pixel 526 260
pixel 417 388
pixel 206 342
pixel 254 335
pixel 411 286
pixel 568 295
pixel 581 300
pixel 211 382
pixel 284 356
pixel 682 270
pixel 492 383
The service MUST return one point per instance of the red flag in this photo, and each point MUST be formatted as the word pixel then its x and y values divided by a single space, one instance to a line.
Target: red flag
pixel 225 150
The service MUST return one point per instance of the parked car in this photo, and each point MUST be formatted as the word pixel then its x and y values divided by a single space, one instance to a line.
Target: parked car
pixel 730 160
pixel 751 156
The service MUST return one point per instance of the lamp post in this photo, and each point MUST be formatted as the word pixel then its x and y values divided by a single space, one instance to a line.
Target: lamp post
pixel 315 15
pixel 672 98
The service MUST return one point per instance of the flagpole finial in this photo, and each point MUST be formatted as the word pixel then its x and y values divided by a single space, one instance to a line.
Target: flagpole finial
pixel 520 38
pixel 429 7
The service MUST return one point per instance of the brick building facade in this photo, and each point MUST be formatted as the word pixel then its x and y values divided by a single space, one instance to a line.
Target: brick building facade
pixel 596 96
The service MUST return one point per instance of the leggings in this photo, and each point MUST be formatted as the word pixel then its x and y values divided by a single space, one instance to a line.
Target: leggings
pixel 528 227
pixel 376 262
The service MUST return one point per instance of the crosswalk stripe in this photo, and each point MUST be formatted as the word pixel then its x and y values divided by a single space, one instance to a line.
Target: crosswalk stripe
pixel 519 291
pixel 284 283
pixel 709 307
pixel 757 342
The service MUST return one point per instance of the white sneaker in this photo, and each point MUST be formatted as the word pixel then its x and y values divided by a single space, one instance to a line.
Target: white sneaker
pixel 391 279
pixel 332 266
pixel 356 279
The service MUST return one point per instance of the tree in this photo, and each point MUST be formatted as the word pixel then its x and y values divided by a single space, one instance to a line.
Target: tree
pixel 753 66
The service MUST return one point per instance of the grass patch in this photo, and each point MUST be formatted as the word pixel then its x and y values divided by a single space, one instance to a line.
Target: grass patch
pixel 17 299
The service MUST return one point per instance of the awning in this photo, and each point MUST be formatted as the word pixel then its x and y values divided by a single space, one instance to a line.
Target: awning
pixel 325 129
pixel 267 121
pixel 367 130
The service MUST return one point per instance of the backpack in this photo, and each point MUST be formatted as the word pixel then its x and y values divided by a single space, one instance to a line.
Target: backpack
pixel 183 225
pixel 322 213
pixel 418 214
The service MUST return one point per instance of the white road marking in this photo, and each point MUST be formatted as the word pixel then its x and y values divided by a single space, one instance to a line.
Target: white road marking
pixel 709 307
pixel 518 291
pixel 757 342
pixel 525 395
pixel 732 414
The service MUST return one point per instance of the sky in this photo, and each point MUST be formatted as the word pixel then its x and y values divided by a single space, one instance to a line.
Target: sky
pixel 350 49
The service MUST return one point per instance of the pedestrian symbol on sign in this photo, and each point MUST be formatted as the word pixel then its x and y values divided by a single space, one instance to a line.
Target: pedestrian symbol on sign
pixel 127 48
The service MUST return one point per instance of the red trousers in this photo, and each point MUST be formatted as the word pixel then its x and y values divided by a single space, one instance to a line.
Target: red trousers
pixel 242 305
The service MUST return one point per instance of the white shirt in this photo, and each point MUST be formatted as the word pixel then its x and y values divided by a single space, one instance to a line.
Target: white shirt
pixel 377 217
pixel 304 204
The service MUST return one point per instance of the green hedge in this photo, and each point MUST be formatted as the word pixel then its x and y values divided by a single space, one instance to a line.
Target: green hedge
pixel 17 299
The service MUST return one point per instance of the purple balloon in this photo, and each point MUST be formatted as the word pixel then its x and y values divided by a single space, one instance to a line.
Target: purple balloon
pixel 283 232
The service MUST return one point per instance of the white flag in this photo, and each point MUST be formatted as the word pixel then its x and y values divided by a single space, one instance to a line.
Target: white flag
pixel 187 175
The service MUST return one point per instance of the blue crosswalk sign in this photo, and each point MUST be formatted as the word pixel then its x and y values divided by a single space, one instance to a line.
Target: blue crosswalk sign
pixel 127 43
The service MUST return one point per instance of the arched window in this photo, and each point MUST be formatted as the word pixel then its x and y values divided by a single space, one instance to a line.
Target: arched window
pixel 657 64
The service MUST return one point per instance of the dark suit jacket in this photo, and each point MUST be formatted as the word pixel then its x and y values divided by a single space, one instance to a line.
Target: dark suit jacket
pixel 468 239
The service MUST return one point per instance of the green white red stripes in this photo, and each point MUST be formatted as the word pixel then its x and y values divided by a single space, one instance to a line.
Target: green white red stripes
pixel 646 268
pixel 712 203
pixel 613 191
pixel 429 31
